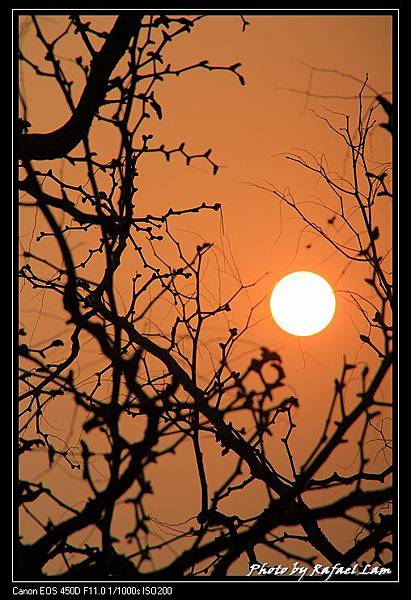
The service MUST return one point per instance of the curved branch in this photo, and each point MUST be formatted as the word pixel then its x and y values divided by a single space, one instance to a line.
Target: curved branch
pixel 58 143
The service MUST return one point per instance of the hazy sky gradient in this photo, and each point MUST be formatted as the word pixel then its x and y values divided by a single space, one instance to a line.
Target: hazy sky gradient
pixel 250 129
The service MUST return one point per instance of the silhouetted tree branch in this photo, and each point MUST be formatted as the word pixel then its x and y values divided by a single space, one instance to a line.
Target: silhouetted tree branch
pixel 56 144
pixel 166 383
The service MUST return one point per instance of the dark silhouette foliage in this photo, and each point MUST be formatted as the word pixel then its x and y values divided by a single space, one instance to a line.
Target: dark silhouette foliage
pixel 154 379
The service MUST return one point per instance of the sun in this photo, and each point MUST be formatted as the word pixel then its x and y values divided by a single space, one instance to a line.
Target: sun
pixel 302 303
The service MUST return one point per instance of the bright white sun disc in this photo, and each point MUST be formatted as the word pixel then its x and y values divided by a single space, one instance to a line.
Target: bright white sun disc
pixel 302 303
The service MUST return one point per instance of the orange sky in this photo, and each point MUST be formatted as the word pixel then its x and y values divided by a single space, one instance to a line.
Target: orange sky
pixel 250 129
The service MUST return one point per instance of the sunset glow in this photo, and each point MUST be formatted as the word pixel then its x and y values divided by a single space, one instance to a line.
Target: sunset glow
pixel 302 303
